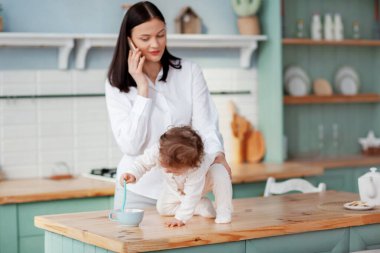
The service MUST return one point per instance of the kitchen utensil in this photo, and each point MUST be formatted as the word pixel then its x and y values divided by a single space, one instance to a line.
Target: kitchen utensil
pixel 125 195
pixel 322 87
pixel 346 71
pixel 240 127
pixel 129 217
pixel 369 187
pixel 255 146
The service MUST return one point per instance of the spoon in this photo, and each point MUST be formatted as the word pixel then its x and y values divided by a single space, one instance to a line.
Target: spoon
pixel 125 195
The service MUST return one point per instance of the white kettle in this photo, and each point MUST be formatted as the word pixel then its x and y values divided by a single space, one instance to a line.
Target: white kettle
pixel 369 187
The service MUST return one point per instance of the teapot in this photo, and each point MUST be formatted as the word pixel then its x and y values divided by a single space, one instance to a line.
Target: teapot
pixel 369 187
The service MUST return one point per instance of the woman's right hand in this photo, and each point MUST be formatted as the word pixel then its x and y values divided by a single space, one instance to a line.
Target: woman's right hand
pixel 135 69
pixel 128 178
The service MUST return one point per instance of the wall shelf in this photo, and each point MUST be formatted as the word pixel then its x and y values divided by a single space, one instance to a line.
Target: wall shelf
pixel 64 43
pixel 246 44
pixel 310 42
pixel 84 42
pixel 334 99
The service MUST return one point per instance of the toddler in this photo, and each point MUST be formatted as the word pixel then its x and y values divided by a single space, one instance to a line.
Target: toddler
pixel 189 175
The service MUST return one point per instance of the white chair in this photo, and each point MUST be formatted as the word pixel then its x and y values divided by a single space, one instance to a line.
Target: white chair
pixel 295 184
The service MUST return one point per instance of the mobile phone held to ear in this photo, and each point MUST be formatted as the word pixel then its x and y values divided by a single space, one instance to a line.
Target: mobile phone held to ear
pixel 131 45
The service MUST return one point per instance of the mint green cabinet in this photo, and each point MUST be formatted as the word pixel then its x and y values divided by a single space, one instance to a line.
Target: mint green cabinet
pixel 334 241
pixel 17 231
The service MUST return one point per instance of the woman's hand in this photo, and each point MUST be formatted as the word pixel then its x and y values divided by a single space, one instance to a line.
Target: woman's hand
pixel 174 223
pixel 221 158
pixel 128 178
pixel 135 66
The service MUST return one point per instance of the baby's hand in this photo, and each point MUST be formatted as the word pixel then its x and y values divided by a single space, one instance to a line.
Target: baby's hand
pixel 129 178
pixel 174 223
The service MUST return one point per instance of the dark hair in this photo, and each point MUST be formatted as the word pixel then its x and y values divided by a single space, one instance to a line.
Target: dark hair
pixel 118 74
pixel 181 147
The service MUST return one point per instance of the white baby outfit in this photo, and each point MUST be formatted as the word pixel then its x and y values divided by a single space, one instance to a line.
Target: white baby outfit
pixel 183 195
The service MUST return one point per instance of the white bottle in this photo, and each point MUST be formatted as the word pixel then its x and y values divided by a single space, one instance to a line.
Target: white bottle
pixel 316 27
pixel 338 27
pixel 328 27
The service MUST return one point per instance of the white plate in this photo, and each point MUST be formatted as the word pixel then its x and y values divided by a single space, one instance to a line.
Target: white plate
pixel 343 72
pixel 348 86
pixel 358 208
pixel 292 71
pixel 297 87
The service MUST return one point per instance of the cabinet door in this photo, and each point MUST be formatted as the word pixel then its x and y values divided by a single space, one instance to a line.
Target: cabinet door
pixel 336 179
pixel 27 211
pixel 334 241
pixel 8 229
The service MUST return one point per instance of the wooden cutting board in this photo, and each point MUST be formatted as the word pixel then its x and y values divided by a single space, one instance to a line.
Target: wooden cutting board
pixel 255 146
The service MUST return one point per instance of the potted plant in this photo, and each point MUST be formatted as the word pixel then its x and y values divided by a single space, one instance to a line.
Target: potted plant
pixel 248 22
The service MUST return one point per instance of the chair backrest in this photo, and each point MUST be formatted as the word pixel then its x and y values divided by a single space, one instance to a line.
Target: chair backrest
pixel 295 184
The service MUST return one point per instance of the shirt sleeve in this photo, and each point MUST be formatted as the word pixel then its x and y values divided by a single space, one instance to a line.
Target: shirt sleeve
pixel 205 115
pixel 129 119
pixel 145 162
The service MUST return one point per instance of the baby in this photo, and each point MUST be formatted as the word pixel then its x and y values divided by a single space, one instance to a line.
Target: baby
pixel 189 175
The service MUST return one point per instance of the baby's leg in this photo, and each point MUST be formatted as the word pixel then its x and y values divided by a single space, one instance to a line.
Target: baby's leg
pixel 205 208
pixel 222 189
pixel 167 204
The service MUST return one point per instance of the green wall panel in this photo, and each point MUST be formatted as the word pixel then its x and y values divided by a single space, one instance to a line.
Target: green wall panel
pixel 269 76
pixel 29 210
pixel 334 241
pixel 32 244
pixel 8 229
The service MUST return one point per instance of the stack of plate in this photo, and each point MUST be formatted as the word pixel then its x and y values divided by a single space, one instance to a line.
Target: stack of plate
pixel 297 82
pixel 347 81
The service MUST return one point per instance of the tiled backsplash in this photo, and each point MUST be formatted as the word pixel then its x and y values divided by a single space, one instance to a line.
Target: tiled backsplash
pixel 36 134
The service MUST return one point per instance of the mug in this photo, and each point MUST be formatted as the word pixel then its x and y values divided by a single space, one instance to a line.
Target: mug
pixel 129 217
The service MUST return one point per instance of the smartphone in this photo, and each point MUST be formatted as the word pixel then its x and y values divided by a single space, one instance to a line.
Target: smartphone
pixel 131 45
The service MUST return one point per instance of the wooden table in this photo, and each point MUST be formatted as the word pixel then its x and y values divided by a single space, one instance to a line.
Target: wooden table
pixel 314 222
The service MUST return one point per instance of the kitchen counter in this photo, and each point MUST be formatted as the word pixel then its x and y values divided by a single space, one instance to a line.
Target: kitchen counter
pixel 319 214
pixel 248 172
pixel 34 190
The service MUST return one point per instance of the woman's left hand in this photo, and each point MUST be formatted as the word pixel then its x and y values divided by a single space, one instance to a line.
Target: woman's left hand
pixel 221 158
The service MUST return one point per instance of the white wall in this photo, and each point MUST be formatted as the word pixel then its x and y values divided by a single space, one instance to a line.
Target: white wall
pixel 37 133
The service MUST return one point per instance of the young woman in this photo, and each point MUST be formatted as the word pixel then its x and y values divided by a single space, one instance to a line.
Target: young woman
pixel 147 91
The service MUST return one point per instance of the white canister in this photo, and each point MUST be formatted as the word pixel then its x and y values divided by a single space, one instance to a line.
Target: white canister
pixel 316 27
pixel 338 27
pixel 328 28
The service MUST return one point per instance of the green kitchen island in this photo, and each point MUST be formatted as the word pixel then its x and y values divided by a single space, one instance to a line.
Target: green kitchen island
pixel 315 222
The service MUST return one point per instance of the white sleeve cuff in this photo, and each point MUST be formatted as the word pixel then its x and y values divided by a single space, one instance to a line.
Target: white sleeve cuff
pixel 140 104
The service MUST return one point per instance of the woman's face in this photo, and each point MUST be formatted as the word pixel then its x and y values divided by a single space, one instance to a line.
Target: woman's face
pixel 150 38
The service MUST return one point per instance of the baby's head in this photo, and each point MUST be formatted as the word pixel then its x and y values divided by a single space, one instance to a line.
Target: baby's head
pixel 181 148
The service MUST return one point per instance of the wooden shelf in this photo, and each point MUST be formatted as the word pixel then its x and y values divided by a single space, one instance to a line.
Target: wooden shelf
pixel 310 42
pixel 334 99
pixel 341 162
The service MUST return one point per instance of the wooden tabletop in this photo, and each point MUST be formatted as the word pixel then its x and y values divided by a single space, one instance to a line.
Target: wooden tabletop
pixel 31 190
pixel 252 218
pixel 246 172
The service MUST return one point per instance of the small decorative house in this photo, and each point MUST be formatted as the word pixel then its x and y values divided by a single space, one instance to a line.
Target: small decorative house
pixel 188 21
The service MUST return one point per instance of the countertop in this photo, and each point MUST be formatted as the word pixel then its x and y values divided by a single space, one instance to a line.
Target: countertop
pixel 32 190
pixel 252 218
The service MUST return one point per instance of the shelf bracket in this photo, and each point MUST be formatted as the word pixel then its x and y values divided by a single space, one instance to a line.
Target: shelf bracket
pixel 246 54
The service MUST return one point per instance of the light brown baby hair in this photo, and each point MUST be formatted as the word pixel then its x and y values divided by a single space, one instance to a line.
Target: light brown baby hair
pixel 181 147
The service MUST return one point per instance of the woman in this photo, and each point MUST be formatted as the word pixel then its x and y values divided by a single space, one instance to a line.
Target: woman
pixel 149 90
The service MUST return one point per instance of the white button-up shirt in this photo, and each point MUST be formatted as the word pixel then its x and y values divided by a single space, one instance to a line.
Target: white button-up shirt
pixel 138 122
